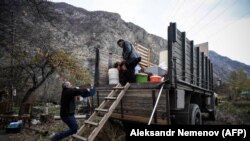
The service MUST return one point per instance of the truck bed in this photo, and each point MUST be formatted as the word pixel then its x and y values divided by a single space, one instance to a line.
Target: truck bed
pixel 138 103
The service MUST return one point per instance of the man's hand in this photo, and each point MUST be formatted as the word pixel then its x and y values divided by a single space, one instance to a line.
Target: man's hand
pixel 92 91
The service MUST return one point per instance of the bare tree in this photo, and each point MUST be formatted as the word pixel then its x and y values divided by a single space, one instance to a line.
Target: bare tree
pixel 29 44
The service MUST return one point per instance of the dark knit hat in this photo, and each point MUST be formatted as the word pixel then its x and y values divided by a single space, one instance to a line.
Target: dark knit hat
pixel 120 40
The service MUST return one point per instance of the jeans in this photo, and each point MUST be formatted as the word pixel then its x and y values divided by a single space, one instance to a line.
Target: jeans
pixel 72 124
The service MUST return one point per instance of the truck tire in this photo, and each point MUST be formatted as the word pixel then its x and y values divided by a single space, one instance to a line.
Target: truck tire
pixel 195 114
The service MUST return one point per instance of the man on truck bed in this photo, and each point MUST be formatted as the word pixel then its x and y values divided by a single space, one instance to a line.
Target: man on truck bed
pixel 131 57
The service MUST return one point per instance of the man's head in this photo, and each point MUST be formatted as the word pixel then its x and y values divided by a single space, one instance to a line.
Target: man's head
pixel 66 84
pixel 120 42
pixel 117 64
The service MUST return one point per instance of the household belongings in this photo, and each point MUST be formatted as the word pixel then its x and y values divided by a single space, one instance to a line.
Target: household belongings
pixel 14 127
pixel 155 78
pixel 113 76
pixel 156 70
pixel 141 77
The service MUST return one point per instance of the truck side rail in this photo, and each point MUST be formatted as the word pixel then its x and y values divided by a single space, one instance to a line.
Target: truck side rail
pixel 186 63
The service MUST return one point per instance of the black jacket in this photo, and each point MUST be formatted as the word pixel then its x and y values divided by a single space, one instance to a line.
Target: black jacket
pixel 129 53
pixel 68 100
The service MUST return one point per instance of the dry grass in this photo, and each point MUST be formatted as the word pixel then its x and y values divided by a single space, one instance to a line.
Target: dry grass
pixel 235 112
pixel 112 131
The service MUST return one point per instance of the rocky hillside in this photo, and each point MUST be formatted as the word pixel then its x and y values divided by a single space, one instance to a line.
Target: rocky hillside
pixel 224 65
pixel 102 29
pixel 84 31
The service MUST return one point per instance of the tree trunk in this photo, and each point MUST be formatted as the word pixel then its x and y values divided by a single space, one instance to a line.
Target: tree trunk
pixel 25 99
pixel 28 94
pixel 31 90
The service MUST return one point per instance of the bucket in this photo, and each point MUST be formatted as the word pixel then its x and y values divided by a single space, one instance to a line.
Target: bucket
pixel 113 76
pixel 14 127
pixel 141 77
pixel 155 78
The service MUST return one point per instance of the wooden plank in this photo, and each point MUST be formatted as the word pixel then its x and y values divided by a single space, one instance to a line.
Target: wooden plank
pixel 197 66
pixel 81 130
pixel 183 55
pixel 141 95
pixel 110 98
pixel 118 88
pixel 144 63
pixel 178 43
pixel 142 113
pixel 178 32
pixel 140 106
pixel 142 51
pixel 91 123
pixel 178 52
pixel 139 119
pixel 202 70
pixel 76 116
pixel 140 46
pixel 79 137
pixel 107 115
pixel 145 55
pixel 144 58
pixel 101 110
pixel 149 58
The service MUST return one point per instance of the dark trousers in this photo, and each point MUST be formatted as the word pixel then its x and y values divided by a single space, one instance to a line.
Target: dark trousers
pixel 130 73
pixel 72 124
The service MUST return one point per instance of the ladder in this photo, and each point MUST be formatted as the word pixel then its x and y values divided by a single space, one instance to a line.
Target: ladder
pixel 96 121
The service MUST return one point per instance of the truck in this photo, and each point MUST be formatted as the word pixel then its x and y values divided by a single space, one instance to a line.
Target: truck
pixel 182 98
pixel 187 91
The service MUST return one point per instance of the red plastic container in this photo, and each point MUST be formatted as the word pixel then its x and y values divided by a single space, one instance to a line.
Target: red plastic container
pixel 155 78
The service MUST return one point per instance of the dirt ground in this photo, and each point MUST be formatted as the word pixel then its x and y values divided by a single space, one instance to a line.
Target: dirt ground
pixel 221 119
pixel 111 131
pixel 31 133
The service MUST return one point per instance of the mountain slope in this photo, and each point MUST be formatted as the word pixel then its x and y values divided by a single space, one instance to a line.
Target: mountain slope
pixel 109 27
pixel 81 31
pixel 224 65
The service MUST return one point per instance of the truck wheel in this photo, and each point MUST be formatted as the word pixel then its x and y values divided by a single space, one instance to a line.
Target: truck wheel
pixel 195 114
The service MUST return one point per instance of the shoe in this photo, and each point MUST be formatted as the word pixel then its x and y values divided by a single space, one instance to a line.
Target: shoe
pixel 51 137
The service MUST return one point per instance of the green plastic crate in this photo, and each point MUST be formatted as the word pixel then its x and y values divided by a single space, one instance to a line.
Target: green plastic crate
pixel 141 77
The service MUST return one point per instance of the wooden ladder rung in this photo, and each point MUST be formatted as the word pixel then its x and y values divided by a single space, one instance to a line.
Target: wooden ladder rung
pixel 110 98
pixel 104 114
pixel 80 137
pixel 92 123
pixel 102 110
pixel 118 88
